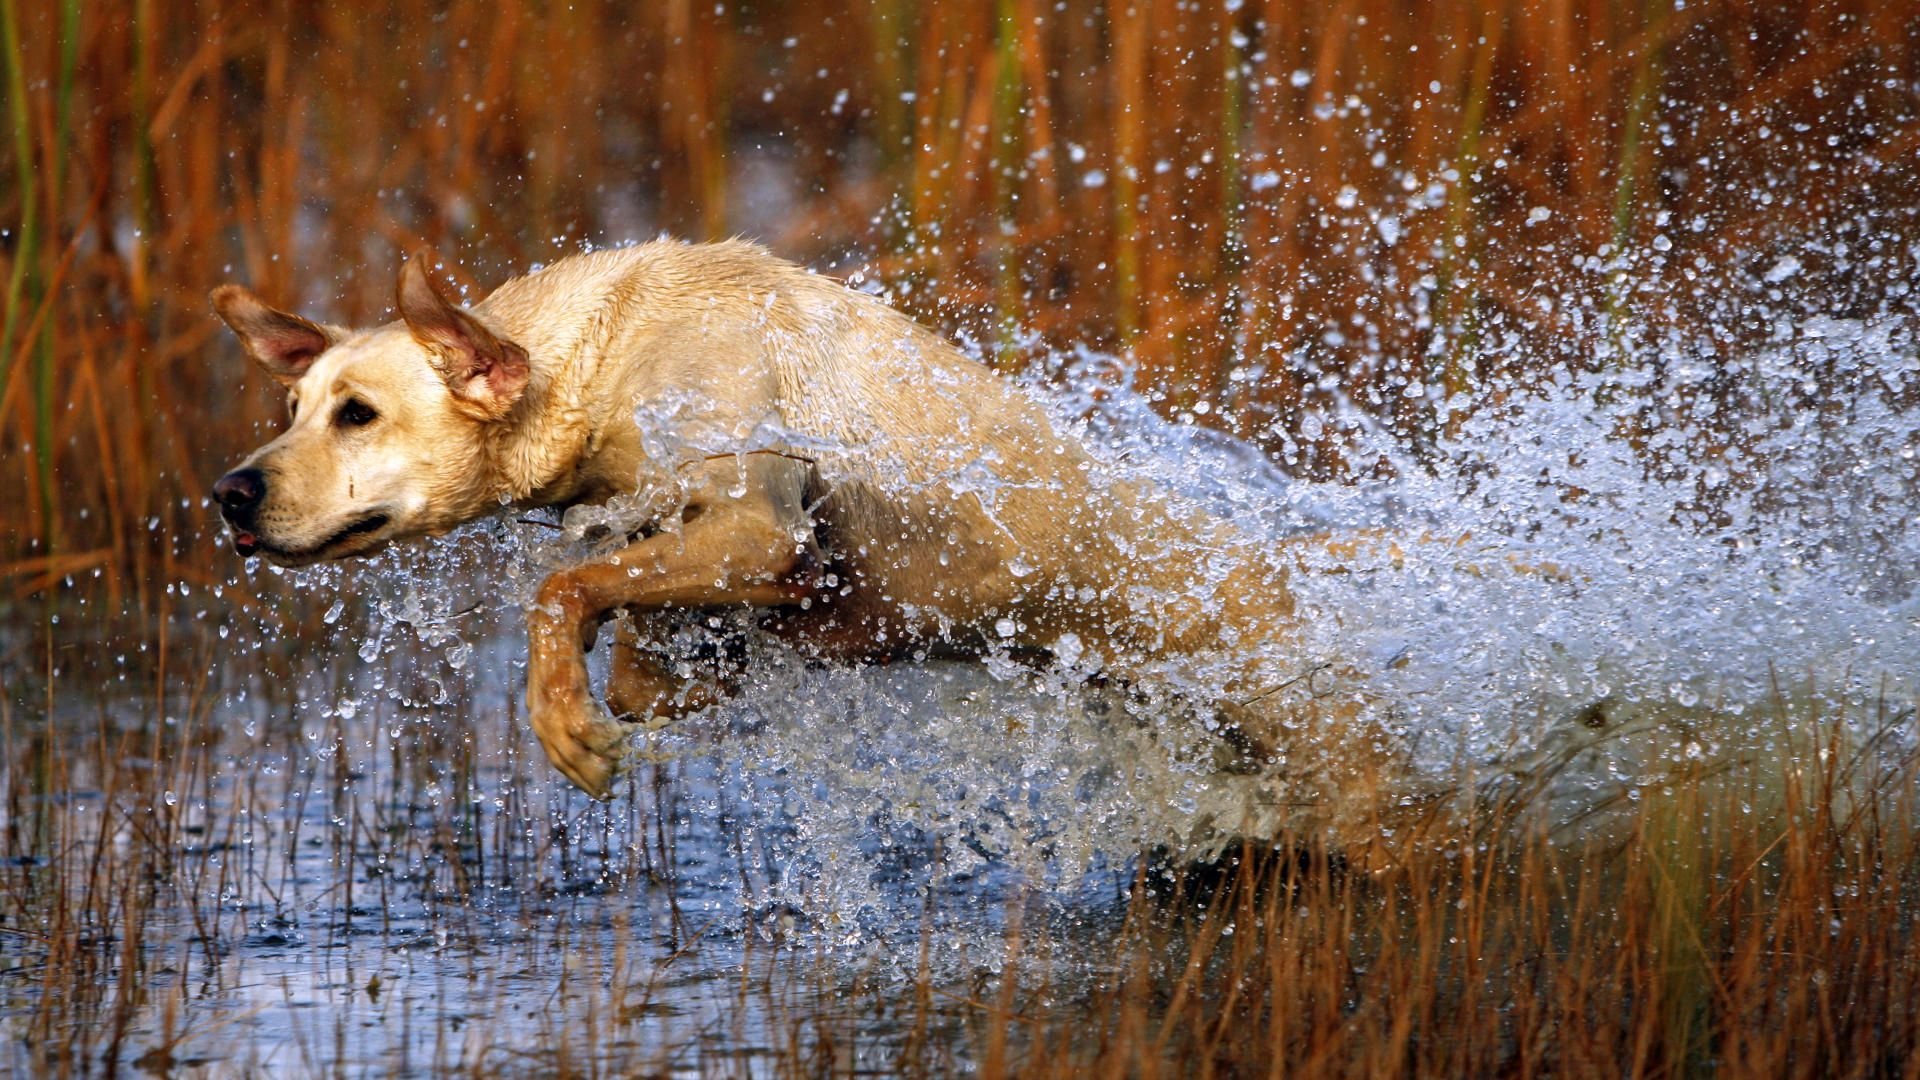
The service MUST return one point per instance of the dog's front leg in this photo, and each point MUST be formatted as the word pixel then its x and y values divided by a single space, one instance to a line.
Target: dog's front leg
pixel 730 551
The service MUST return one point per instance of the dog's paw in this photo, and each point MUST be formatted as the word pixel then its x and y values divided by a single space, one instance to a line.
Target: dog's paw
pixel 586 744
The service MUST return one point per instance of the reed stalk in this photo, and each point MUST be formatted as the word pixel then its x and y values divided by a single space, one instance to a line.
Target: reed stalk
pixel 1456 299
pixel 63 97
pixel 26 246
pixel 889 30
pixel 1647 73
pixel 1129 102
pixel 1679 880
pixel 45 358
pixel 1007 170
pixel 1233 241
pixel 145 164
pixel 27 289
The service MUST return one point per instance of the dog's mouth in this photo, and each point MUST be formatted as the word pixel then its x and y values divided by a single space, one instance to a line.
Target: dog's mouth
pixel 249 543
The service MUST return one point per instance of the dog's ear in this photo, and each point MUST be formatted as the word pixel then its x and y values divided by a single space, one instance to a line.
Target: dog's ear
pixel 284 345
pixel 487 374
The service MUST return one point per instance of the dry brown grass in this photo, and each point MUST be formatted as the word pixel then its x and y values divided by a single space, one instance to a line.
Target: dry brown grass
pixel 1199 182
pixel 1738 930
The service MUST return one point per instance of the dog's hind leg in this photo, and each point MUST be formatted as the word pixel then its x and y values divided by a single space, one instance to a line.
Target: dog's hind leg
pixel 642 686
pixel 748 549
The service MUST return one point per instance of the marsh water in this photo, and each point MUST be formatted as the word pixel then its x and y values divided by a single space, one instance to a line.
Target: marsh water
pixel 358 868
pixel 297 824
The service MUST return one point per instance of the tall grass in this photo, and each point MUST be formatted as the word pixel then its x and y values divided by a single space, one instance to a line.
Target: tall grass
pixel 1265 203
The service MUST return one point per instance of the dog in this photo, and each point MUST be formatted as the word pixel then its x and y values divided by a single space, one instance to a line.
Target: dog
pixel 804 453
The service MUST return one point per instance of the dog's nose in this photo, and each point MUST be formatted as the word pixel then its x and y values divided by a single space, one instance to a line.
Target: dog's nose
pixel 239 492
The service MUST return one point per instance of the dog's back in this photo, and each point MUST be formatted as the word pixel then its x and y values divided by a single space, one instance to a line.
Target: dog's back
pixel 941 491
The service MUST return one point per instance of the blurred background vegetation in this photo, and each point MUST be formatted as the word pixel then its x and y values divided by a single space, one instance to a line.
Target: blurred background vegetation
pixel 1285 215
pixel 1272 207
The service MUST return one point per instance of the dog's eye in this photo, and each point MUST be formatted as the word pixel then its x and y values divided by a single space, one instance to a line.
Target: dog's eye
pixel 355 413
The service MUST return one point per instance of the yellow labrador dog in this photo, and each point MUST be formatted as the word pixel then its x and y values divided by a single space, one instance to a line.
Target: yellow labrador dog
pixel 808 454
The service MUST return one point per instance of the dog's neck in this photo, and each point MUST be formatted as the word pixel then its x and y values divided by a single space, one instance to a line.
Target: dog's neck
pixel 547 450
pixel 535 455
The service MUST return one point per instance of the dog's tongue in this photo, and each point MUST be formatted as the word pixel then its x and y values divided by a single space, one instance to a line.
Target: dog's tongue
pixel 245 542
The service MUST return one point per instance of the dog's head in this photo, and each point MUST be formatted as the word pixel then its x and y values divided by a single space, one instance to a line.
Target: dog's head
pixel 387 426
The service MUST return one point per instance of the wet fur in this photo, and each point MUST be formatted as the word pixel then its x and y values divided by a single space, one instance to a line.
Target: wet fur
pixel 898 496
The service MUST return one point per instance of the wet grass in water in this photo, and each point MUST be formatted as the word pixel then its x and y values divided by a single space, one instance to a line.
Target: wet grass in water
pixel 205 873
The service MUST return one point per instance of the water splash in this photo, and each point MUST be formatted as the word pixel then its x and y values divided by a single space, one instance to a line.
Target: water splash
pixel 1600 578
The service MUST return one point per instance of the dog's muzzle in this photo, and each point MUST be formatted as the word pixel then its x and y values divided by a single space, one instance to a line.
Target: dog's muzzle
pixel 239 494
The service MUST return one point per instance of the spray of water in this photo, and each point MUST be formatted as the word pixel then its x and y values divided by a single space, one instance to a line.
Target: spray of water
pixel 1593 581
